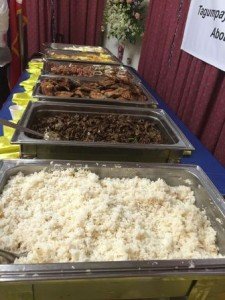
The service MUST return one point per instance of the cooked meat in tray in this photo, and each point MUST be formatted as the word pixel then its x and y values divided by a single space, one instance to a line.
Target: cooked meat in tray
pixel 112 128
pixel 85 70
pixel 107 88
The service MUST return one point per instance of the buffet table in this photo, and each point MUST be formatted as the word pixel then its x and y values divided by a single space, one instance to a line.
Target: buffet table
pixel 201 156
pixel 107 279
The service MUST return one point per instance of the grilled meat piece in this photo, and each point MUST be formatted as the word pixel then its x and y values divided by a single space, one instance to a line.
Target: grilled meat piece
pixel 106 83
pixel 47 88
pixel 114 93
pixel 64 94
pixel 111 93
pixel 127 95
pixel 88 86
pixel 79 93
pixel 96 94
pixel 123 78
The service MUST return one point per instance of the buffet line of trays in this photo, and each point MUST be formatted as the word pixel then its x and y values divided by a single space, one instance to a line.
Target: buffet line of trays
pixel 90 106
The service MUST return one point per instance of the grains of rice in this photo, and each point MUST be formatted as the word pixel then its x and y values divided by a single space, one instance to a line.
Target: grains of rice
pixel 73 215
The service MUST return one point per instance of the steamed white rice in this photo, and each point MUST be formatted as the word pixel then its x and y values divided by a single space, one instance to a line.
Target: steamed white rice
pixel 71 216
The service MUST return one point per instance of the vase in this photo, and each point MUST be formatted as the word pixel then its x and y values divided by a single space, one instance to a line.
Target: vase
pixel 121 48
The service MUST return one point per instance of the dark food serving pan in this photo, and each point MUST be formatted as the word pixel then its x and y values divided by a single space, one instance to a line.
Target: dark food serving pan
pixel 172 150
pixel 82 56
pixel 207 198
pixel 151 102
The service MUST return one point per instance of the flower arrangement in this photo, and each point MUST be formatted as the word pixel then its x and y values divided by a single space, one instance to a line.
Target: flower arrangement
pixel 125 19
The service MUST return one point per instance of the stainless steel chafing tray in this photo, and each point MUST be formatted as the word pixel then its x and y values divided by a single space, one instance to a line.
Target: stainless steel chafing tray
pixel 172 151
pixel 178 274
pixel 49 55
pixel 151 101
pixel 74 47
pixel 99 70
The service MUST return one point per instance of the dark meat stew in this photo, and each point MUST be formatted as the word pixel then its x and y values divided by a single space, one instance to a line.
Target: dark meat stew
pixel 111 128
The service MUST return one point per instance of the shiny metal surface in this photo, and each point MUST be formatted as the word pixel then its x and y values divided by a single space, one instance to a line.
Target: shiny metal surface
pixel 74 47
pixel 207 198
pixel 173 150
pixel 147 288
pixel 113 59
pixel 151 101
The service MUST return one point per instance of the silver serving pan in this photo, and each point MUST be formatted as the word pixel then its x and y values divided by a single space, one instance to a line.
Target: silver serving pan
pixel 177 273
pixel 176 146
pixel 74 47
pixel 99 70
pixel 48 55
pixel 151 101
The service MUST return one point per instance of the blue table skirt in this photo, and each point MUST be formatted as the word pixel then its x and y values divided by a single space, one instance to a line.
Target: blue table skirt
pixel 201 156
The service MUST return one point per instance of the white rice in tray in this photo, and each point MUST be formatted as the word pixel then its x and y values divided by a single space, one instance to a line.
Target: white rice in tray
pixel 70 215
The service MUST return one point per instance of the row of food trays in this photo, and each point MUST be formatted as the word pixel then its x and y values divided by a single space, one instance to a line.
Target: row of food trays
pixel 92 108
pixel 96 109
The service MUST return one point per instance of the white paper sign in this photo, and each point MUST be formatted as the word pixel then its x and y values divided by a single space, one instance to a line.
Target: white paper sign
pixel 204 35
